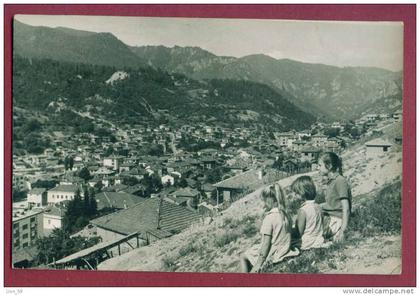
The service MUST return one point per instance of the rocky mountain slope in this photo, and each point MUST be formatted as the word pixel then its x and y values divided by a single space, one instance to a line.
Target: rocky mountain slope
pixel 333 91
pixel 324 91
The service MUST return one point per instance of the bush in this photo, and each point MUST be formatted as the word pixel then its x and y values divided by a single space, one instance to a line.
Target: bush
pixel 169 263
pixel 225 238
pixel 189 248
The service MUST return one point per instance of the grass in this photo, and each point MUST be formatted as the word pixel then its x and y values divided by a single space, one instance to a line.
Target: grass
pixel 192 247
pixel 169 263
pixel 380 214
pixel 374 215
pixel 232 230
pixel 225 237
pixel 310 261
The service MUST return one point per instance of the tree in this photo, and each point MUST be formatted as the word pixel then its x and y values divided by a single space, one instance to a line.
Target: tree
pixel 31 126
pixel 74 210
pixel 18 195
pixel 85 174
pixel 79 211
pixel 48 184
pixel 183 183
pixel 59 244
pixel 332 132
pixel 93 206
pixel 109 151
pixel 278 164
pixel 152 184
pixel 86 202
pixel 99 185
pixel 71 163
pixel 354 132
pixel 68 163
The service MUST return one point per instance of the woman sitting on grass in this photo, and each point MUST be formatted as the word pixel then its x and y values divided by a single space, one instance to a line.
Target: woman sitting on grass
pixel 308 229
pixel 275 233
pixel 337 207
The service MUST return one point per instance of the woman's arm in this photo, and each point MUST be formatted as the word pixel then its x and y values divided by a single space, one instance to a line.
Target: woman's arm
pixel 346 216
pixel 265 249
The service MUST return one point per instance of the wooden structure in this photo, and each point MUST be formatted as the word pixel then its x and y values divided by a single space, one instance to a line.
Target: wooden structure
pixel 89 258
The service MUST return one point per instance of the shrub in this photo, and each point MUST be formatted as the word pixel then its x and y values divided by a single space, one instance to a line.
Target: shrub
pixel 225 238
pixel 169 263
pixel 192 247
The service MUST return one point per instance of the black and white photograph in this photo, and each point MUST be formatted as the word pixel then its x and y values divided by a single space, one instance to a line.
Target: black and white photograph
pixel 206 145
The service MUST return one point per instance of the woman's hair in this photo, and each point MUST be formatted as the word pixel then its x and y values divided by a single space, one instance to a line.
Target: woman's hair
pixel 332 162
pixel 305 187
pixel 276 193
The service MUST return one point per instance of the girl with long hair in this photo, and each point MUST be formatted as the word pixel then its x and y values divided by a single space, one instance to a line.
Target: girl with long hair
pixel 275 233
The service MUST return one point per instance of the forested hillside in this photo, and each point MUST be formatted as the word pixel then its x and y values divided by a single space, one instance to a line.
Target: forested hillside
pixel 143 93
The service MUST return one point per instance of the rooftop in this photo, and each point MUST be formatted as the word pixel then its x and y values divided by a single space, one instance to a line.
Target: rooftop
pixel 150 215
pixel 70 188
pixel 118 200
pixel 186 192
pixel 245 180
pixel 378 142
pixel 37 191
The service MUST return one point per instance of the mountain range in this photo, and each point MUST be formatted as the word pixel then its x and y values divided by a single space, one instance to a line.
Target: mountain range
pixel 149 95
pixel 321 89
pixel 325 91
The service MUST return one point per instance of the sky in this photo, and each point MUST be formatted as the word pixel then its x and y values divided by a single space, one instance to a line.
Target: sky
pixel 373 44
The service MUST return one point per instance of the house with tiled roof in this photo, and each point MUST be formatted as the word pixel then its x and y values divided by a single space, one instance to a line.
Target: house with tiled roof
pixel 285 139
pixel 153 219
pixel 62 193
pixel 377 147
pixel 120 200
pixel 229 189
pixel 137 190
pixel 186 196
pixel 53 217
pixel 319 140
pixel 309 154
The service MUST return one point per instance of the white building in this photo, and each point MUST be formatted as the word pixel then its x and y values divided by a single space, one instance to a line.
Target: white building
pixel 319 140
pixel 377 147
pixel 62 193
pixel 285 139
pixel 53 218
pixel 397 116
pixel 113 162
pixel 371 117
pixel 27 228
pixel 37 197
pixel 167 179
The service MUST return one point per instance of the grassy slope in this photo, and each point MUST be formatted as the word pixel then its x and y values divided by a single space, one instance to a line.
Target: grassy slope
pixel 217 246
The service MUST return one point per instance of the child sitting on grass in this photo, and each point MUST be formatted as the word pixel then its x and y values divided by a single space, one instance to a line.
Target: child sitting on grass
pixel 275 233
pixel 337 207
pixel 309 229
